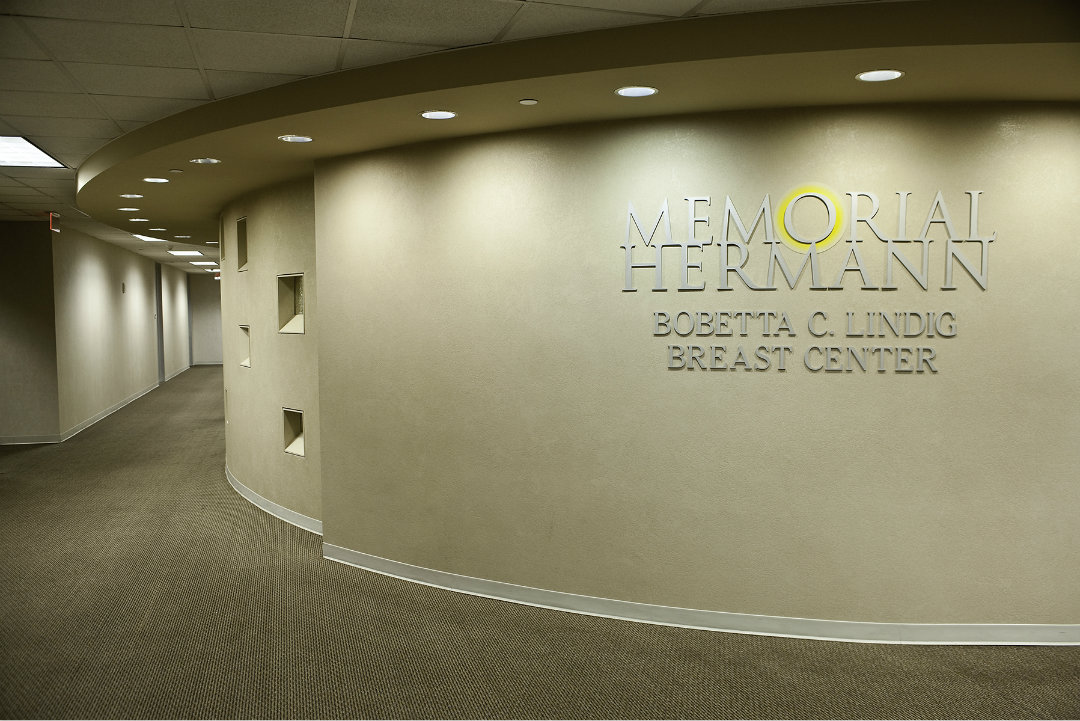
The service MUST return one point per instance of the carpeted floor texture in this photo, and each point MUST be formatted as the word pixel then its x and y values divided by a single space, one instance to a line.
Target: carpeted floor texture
pixel 138 584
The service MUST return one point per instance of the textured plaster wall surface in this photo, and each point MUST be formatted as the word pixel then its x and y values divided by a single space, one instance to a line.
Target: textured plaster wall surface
pixel 495 405
pixel 106 336
pixel 204 297
pixel 28 390
pixel 284 367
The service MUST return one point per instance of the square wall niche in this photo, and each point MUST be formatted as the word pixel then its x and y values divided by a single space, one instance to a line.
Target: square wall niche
pixel 245 345
pixel 241 243
pixel 294 431
pixel 290 295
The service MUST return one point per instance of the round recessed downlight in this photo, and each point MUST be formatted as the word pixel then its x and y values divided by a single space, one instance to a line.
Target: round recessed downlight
pixel 130 195
pixel 636 91
pixel 204 161
pixel 128 210
pixel 438 114
pixel 528 101
pixel 155 180
pixel 879 76
pixel 294 138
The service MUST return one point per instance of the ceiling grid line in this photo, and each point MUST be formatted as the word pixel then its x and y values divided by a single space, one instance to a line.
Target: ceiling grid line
pixel 696 9
pixel 181 10
pixel 609 11
pixel 345 35
pixel 509 24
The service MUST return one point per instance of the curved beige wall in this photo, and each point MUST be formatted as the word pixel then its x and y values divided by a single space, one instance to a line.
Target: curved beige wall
pixel 493 404
pixel 284 367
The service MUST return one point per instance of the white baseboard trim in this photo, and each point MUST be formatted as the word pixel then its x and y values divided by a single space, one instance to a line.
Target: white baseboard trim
pixel 289 516
pixel 173 375
pixel 27 440
pixel 810 628
pixel 107 412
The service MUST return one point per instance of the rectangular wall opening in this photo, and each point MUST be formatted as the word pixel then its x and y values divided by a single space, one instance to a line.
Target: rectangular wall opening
pixel 245 346
pixel 291 303
pixel 241 244
pixel 294 431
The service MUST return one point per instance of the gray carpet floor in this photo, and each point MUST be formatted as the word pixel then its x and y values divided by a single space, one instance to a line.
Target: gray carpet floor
pixel 138 584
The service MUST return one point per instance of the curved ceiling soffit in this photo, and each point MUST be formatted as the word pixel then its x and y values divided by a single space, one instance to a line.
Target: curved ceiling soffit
pixel 736 46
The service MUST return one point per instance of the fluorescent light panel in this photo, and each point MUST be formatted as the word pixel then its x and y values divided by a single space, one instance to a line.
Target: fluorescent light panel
pixel 148 239
pixel 203 262
pixel 17 152
pixel 184 252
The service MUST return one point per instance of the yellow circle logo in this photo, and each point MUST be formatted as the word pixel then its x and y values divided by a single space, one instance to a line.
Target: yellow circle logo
pixel 802 239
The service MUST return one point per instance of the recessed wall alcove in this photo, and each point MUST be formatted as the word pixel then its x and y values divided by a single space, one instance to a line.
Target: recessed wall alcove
pixel 241 244
pixel 290 290
pixel 245 346
pixel 293 423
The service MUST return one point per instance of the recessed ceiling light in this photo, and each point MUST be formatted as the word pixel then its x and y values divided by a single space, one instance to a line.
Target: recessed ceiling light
pixel 181 236
pixel 175 170
pixel 211 242
pixel 636 91
pixel 155 180
pixel 879 76
pixel 528 101
pixel 204 161
pixel 128 210
pixel 160 230
pixel 438 114
pixel 212 270
pixel 148 239
pixel 19 152
pixel 130 195
pixel 139 220
pixel 203 262
pixel 217 277
pixel 294 138
pixel 184 252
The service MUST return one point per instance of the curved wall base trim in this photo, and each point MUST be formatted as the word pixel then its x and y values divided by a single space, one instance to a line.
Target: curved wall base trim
pixel 811 628
pixel 297 519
